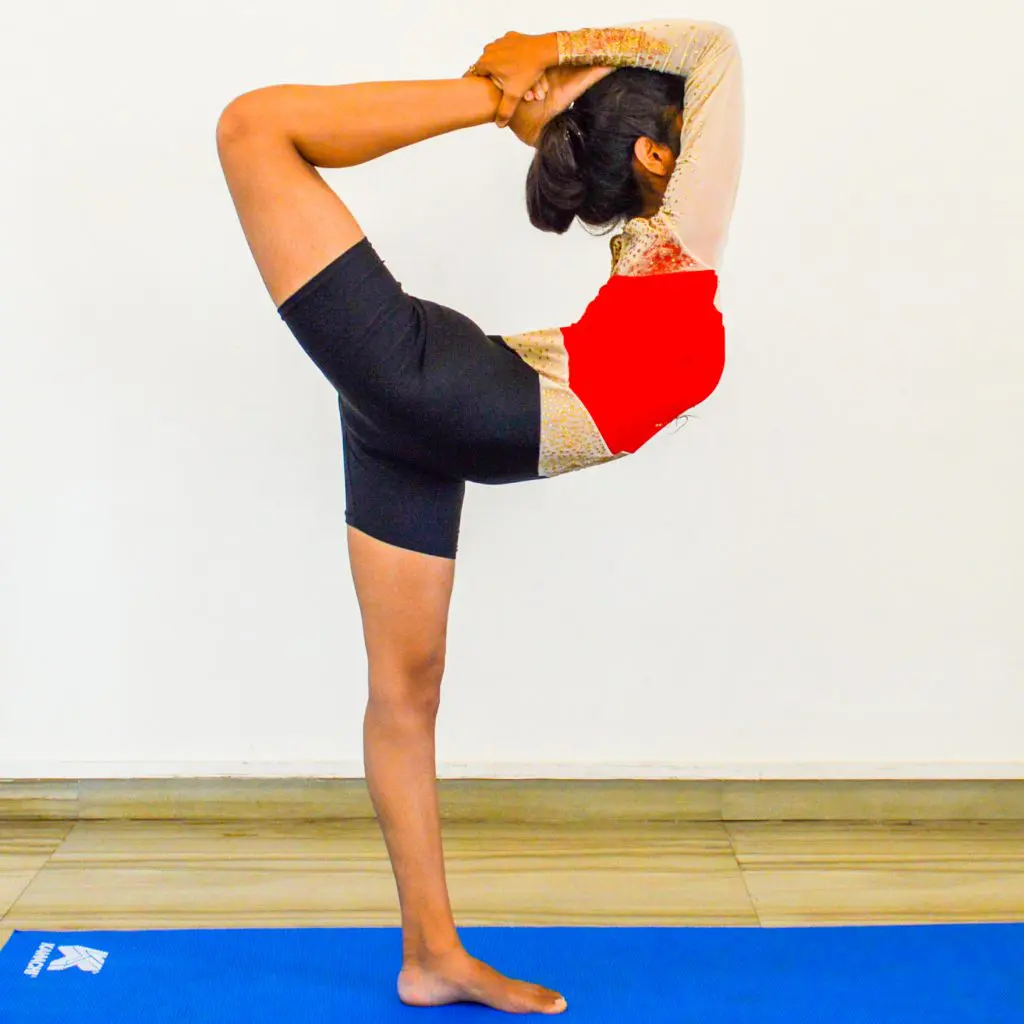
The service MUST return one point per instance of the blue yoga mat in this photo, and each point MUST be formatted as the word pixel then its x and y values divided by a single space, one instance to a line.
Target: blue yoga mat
pixel 940 974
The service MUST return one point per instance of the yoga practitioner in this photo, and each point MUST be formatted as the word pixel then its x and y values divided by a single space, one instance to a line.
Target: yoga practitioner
pixel 428 400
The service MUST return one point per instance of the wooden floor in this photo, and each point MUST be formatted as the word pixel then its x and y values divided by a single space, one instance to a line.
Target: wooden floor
pixel 114 874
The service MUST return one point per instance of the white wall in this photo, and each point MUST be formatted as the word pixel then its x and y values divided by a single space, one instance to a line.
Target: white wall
pixel 818 575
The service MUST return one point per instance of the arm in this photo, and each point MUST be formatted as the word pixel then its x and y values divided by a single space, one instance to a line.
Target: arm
pixel 700 195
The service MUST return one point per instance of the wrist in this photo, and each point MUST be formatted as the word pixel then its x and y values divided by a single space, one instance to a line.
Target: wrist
pixel 486 98
pixel 547 50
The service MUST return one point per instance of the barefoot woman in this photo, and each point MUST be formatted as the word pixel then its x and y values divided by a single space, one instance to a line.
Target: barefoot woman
pixel 429 401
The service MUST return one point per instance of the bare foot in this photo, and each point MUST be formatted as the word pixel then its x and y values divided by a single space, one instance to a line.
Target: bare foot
pixel 459 977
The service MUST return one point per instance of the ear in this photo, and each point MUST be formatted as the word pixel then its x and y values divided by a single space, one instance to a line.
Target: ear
pixel 654 156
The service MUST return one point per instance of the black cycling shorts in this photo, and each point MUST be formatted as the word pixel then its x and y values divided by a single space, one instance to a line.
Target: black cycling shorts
pixel 427 400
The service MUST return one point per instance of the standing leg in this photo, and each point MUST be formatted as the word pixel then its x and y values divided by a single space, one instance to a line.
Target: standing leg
pixel 404 597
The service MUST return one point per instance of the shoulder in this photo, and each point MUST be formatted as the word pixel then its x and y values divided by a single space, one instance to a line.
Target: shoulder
pixel 648 245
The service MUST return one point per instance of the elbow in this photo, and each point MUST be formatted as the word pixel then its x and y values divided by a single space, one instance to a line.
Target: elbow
pixel 726 49
pixel 717 35
pixel 723 36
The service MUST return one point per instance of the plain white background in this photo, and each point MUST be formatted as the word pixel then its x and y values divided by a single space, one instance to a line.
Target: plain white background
pixel 819 574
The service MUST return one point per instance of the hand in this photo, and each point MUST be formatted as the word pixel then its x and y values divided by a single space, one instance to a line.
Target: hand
pixel 556 89
pixel 515 63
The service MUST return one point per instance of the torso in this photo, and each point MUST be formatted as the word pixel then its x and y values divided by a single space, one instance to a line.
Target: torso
pixel 608 384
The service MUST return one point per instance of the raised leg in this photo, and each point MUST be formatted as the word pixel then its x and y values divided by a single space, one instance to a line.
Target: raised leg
pixel 272 140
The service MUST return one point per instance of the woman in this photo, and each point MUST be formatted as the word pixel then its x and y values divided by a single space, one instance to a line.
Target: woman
pixel 429 401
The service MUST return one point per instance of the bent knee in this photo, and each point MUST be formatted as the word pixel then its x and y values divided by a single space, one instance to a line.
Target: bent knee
pixel 239 117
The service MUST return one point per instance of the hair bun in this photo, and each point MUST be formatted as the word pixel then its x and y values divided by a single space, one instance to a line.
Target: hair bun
pixel 556 186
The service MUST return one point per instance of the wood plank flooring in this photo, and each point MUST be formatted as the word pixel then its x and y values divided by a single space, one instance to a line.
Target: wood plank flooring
pixel 112 874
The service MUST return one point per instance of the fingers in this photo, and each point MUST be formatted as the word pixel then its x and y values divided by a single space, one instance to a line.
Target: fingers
pixel 539 91
pixel 506 108
pixel 511 98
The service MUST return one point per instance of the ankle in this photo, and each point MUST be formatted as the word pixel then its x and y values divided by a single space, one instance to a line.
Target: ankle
pixel 423 952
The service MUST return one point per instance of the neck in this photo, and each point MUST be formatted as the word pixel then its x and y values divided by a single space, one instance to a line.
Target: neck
pixel 651 206
pixel 652 193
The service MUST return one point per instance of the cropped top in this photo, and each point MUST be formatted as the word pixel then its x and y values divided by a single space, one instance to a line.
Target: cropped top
pixel 608 384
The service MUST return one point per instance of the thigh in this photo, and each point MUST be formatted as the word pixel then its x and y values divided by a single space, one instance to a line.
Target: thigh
pixel 402 537
pixel 294 222
pixel 398 501
pixel 362 331
pixel 404 597
pixel 418 381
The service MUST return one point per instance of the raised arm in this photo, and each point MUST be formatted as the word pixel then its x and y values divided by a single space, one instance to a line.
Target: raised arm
pixel 701 193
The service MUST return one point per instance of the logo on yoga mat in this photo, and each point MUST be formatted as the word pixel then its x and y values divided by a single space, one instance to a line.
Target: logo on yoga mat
pixel 85 959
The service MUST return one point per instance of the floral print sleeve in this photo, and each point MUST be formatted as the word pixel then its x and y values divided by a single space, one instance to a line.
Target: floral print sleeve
pixel 701 193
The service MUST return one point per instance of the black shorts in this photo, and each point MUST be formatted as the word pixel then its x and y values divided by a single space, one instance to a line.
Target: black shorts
pixel 427 400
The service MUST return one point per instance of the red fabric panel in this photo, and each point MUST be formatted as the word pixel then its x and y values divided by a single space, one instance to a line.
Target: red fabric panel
pixel 645 350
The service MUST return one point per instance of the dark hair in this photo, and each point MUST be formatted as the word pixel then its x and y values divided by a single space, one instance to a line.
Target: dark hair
pixel 583 166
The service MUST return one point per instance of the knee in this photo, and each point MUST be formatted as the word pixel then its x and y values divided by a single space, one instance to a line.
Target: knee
pixel 410 684
pixel 238 117
pixel 230 123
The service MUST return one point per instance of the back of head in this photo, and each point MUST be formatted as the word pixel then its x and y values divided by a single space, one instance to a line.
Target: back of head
pixel 584 166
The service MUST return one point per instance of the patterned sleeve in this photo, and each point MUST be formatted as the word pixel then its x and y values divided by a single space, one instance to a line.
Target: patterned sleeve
pixel 702 190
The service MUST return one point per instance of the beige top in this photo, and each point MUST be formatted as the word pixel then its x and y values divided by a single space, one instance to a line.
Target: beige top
pixel 688 233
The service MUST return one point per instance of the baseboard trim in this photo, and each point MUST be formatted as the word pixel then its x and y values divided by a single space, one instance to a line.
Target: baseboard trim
pixel 518 801
pixel 744 771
